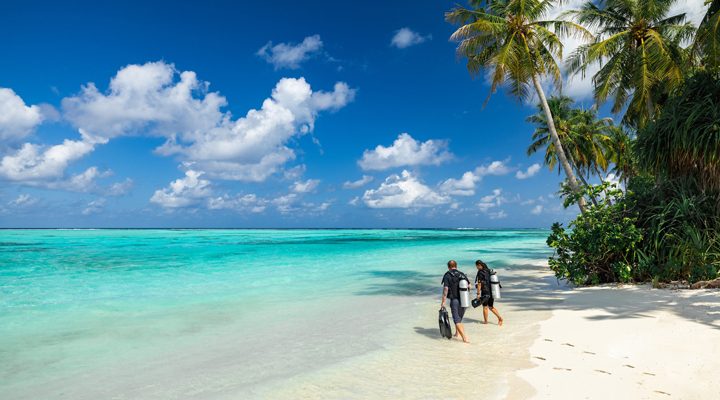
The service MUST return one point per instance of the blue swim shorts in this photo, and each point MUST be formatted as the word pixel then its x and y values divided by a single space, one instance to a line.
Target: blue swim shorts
pixel 457 311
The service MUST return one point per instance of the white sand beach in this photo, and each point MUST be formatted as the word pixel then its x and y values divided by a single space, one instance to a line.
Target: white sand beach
pixel 628 342
pixel 619 342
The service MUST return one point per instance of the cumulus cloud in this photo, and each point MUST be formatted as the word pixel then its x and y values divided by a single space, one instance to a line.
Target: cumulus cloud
pixel 24 200
pixel 146 99
pixel 527 202
pixel 94 207
pixel 497 215
pixel 240 203
pixel 491 200
pixel 406 37
pixel 309 186
pixel 33 163
pixel 405 151
pixel 120 188
pixel 183 192
pixel 467 184
pixel 17 120
pixel 403 191
pixel 294 173
pixel 530 172
pixel 290 55
pixel 494 168
pixel 537 210
pixel 359 183
pixel 354 201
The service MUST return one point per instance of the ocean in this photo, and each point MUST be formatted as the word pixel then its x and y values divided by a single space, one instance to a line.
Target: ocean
pixel 88 314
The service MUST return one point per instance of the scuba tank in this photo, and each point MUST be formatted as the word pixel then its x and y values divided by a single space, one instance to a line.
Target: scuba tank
pixel 494 285
pixel 464 293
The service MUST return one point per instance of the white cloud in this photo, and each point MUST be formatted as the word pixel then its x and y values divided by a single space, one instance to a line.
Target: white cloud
pixel 309 186
pixel 406 37
pixel 120 188
pixel 403 192
pixel 468 183
pixel 527 202
pixel 32 164
pixel 537 210
pixel 498 215
pixel 240 203
pixel 16 119
pixel 145 99
pixel 289 55
pixel 94 207
pixel 183 192
pixel 531 171
pixel 405 151
pixel 294 173
pixel 494 168
pixel 324 206
pixel 354 201
pixel 463 187
pixel 24 200
pixel 359 183
pixel 491 200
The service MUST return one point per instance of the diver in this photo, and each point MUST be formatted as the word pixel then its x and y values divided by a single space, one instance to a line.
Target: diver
pixel 451 290
pixel 483 291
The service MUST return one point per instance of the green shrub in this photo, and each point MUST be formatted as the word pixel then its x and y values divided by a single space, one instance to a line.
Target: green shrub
pixel 663 233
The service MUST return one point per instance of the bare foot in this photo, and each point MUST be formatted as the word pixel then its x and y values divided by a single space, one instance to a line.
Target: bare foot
pixel 500 322
pixel 466 341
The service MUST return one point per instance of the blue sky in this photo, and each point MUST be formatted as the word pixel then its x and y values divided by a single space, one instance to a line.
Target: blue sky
pixel 258 114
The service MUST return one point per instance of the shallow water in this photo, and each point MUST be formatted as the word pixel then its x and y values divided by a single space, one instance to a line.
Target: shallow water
pixel 218 313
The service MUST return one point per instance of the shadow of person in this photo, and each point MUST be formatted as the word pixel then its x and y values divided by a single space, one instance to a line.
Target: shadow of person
pixel 433 333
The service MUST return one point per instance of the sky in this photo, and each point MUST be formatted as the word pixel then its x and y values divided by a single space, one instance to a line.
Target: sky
pixel 284 114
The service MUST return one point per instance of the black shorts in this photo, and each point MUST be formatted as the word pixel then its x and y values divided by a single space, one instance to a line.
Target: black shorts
pixel 489 302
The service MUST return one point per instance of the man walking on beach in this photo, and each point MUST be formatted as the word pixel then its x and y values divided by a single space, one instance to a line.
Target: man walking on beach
pixel 451 290
pixel 483 290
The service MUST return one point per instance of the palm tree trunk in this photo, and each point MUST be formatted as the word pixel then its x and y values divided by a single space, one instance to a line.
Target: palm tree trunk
pixel 582 178
pixel 558 146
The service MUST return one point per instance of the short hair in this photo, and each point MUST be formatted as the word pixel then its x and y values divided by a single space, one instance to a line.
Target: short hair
pixel 452 264
pixel 479 262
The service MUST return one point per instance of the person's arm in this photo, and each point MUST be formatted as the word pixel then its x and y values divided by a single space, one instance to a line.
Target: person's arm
pixel 479 285
pixel 444 296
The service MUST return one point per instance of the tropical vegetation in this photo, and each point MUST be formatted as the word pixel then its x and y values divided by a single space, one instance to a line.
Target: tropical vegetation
pixel 663 75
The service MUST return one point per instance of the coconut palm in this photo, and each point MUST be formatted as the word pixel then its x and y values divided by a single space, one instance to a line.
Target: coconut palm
pixel 511 42
pixel 620 155
pixel 637 47
pixel 582 135
pixel 706 46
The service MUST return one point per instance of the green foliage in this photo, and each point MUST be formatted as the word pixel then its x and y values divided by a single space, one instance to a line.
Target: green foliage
pixel 602 246
pixel 685 139
pixel 660 233
pixel 637 48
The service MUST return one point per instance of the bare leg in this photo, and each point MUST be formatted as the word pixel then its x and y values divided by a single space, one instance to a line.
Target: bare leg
pixel 459 329
pixel 494 311
pixel 485 314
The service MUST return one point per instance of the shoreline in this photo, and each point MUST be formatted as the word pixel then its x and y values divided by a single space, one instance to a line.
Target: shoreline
pixel 579 342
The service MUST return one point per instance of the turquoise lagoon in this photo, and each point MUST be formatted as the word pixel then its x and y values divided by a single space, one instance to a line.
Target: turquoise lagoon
pixel 215 313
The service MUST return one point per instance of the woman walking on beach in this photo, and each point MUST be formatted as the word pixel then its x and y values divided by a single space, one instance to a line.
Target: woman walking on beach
pixel 483 289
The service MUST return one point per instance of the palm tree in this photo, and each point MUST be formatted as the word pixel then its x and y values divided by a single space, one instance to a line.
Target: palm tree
pixel 637 47
pixel 582 135
pixel 620 148
pixel 511 42
pixel 706 46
